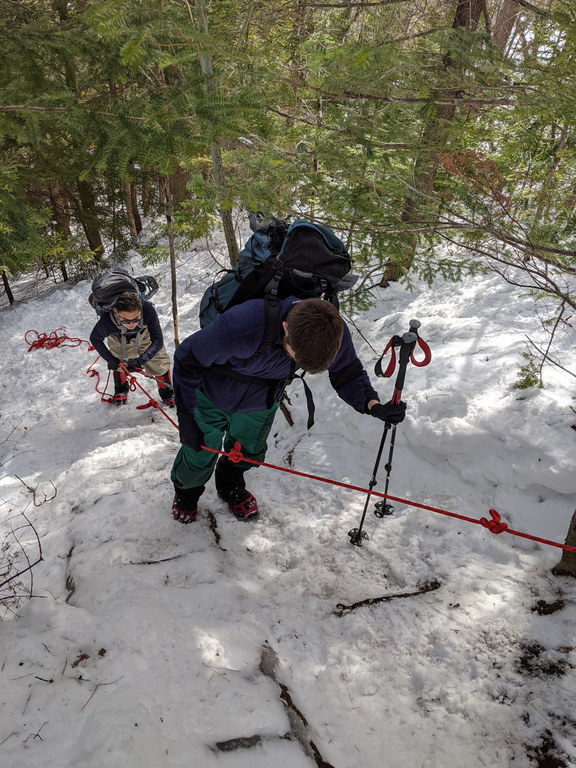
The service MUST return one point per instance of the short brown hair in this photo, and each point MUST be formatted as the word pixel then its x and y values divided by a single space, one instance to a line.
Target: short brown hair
pixel 128 302
pixel 315 332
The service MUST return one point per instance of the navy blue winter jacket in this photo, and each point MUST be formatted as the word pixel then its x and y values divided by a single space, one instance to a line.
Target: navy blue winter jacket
pixel 106 327
pixel 232 340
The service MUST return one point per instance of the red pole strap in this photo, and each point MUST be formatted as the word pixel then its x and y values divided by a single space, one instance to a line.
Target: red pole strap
pixel 495 525
pixel 427 354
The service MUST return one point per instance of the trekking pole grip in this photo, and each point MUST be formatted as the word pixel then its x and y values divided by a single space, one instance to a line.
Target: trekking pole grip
pixel 407 344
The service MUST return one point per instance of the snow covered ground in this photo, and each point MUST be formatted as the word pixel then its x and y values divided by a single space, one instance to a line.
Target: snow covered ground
pixel 225 645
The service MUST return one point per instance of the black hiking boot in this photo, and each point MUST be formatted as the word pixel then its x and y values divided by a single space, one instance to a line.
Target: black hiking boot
pixel 166 391
pixel 185 504
pixel 121 388
pixel 183 515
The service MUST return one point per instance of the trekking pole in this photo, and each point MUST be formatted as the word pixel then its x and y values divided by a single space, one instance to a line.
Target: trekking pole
pixel 407 343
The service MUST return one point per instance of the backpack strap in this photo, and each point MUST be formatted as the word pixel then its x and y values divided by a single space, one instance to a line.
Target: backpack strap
pixel 272 319
pixel 309 399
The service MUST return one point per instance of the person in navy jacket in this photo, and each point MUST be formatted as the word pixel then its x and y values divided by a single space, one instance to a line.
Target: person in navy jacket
pixel 228 387
pixel 133 336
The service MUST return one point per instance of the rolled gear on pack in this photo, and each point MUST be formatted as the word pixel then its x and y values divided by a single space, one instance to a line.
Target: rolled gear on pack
pixel 108 285
pixel 302 259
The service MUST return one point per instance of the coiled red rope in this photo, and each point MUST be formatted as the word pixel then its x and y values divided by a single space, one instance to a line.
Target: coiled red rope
pixel 59 338
pixel 494 524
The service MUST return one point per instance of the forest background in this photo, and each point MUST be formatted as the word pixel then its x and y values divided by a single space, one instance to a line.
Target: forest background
pixel 403 125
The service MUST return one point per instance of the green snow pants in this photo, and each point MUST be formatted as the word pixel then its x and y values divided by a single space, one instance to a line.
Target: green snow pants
pixel 192 469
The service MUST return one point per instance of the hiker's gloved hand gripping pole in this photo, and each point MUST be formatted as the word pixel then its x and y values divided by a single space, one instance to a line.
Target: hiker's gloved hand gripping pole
pixel 407 343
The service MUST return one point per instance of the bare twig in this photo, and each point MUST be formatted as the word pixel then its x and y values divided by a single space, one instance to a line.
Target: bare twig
pixel 549 359
pixel 342 610
pixel 99 685
pixel 37 734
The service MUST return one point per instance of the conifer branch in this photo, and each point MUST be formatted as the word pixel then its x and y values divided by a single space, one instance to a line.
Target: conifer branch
pixel 415 36
pixel 347 6
pixel 69 110
pixel 30 108
pixel 333 129
pixel 456 101
pixel 529 7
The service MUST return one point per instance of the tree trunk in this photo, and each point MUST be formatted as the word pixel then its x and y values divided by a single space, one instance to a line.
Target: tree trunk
pixel 61 213
pixel 567 564
pixel 9 294
pixel 135 211
pixel 217 165
pixel 225 213
pixel 169 209
pixel 544 199
pixel 127 195
pixel 178 187
pixel 88 217
pixel 60 208
pixel 146 194
pixel 434 141
pixel 506 17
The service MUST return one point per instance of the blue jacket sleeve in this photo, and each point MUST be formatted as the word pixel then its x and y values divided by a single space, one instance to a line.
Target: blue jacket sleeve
pixel 103 328
pixel 348 377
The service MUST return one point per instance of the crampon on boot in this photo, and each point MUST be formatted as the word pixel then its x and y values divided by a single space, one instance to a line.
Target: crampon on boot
pixel 121 388
pixel 241 503
pixel 181 514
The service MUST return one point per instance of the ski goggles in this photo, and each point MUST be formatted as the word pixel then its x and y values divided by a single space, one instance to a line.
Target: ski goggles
pixel 125 321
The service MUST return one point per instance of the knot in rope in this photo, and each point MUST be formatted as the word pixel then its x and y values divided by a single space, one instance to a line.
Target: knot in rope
pixel 150 404
pixel 495 525
pixel 235 454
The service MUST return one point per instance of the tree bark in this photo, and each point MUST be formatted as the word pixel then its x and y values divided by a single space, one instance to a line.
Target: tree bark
pixel 178 187
pixel 216 154
pixel 146 194
pixel 60 208
pixel 506 17
pixel 169 210
pixel 434 141
pixel 135 211
pixel 61 213
pixel 567 564
pixel 88 217
pixel 9 294
pixel 127 195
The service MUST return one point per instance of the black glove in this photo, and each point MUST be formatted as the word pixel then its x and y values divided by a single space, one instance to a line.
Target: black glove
pixel 392 414
pixel 133 364
pixel 190 433
pixel 113 364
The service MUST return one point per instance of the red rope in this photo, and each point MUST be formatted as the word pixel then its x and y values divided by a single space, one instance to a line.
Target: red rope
pixel 133 383
pixel 57 338
pixel 91 371
pixel 495 525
